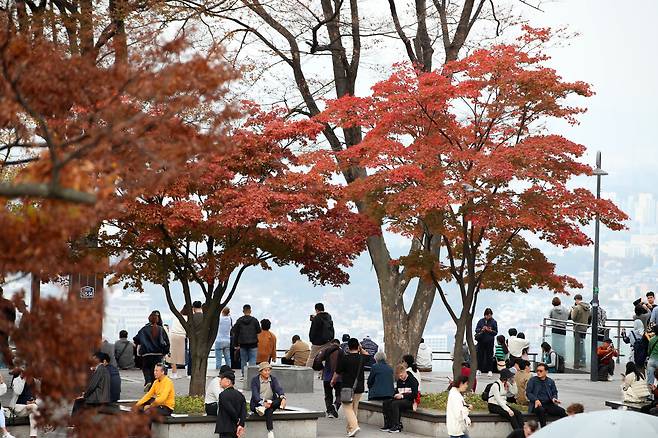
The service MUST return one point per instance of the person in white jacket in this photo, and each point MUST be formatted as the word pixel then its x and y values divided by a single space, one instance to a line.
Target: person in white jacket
pixel 23 402
pixel 424 357
pixel 516 345
pixel 634 386
pixel 3 424
pixel 457 420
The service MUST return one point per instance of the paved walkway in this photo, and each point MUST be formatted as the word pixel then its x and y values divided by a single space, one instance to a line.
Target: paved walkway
pixel 572 388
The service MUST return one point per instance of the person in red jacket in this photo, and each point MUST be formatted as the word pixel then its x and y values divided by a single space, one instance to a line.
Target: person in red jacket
pixel 606 354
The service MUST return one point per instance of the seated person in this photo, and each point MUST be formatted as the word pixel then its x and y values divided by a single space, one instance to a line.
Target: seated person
pixel 97 392
pixel 497 402
pixel 466 372
pixel 213 390
pixel 424 357
pixel 3 424
pixel 161 397
pixel 298 353
pixel 521 381
pixel 529 428
pixel 115 379
pixel 606 354
pixel 634 386
pixel 380 379
pixel 403 400
pixel 516 344
pixel 23 403
pixel 266 396
pixel 542 395
pixel 549 357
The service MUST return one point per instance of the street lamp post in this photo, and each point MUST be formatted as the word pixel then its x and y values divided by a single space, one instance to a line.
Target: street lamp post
pixel 594 369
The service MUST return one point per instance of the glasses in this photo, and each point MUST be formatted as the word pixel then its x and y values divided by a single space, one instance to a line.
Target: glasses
pixel 540 371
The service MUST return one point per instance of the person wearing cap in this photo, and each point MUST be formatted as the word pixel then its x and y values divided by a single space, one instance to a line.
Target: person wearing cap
pixel 497 402
pixel 606 354
pixel 543 396
pixel 266 396
pixel 213 390
pixel 231 408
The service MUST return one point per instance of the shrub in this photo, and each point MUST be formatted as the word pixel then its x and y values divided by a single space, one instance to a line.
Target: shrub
pixel 193 405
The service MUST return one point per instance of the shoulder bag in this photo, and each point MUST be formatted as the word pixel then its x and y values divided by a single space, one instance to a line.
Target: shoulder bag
pixel 347 394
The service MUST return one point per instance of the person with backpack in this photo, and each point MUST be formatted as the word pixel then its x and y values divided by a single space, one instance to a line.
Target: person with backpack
pixel 321 332
pixel 124 352
pixel 558 319
pixel 245 331
pixel 495 396
pixel 652 363
pixel 543 396
pixel 638 342
pixel 327 361
pixel 549 357
pixel 153 344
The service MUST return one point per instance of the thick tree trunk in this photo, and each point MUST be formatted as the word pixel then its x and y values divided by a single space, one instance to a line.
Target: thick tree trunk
pixel 199 350
pixel 464 330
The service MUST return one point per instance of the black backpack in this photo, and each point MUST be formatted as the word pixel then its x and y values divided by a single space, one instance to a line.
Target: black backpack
pixel 327 329
pixel 487 389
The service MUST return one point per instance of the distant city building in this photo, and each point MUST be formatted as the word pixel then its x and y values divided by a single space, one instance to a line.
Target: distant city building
pixel 125 311
pixel 437 342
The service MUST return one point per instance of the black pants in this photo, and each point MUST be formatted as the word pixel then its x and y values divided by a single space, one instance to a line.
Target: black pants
pixel 548 408
pixel 148 365
pixel 269 413
pixel 646 409
pixel 211 409
pixel 485 354
pixel 331 395
pixel 392 409
pixel 287 361
pixel 605 371
pixel 515 420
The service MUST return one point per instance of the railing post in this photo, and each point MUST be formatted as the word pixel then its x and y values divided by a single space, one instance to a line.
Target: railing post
pixel 618 337
pixel 543 330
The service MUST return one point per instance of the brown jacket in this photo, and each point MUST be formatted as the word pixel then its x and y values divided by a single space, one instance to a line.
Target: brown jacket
pixel 299 351
pixel 521 380
pixel 266 347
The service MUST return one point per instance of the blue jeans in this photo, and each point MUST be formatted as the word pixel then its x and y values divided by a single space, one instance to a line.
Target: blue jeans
pixel 222 349
pixel 247 357
pixel 651 367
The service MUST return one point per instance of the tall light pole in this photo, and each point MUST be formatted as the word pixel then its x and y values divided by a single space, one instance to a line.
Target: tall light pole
pixel 594 362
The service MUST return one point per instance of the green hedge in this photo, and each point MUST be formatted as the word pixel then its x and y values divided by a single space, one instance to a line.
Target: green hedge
pixel 439 401
pixel 190 405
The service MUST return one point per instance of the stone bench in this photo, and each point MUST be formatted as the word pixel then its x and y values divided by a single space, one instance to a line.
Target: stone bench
pixel 625 405
pixel 290 423
pixel 430 422
pixel 293 379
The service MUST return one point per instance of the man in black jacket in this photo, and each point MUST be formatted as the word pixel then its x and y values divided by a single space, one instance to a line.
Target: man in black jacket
pixel 403 400
pixel 231 408
pixel 245 331
pixel 321 332
pixel 97 392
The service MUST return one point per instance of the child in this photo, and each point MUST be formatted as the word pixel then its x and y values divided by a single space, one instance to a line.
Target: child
pixel 232 408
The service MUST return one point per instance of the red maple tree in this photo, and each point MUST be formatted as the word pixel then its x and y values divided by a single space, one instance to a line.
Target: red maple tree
pixel 461 161
pixel 256 204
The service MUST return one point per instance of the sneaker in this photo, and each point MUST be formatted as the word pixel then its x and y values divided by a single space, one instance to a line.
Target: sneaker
pixel 8 435
pixel 395 429
pixel 385 428
pixel 260 410
pixel 354 432
pixel 489 374
pixel 333 412
pixel 270 434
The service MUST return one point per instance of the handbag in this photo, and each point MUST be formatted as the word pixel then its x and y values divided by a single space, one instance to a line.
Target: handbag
pixel 347 394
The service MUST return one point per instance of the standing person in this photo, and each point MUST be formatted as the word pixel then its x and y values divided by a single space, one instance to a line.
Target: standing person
pixel 97 392
pixel 267 396
pixel 580 314
pixel 321 332
pixel 486 331
pixel 213 390
pixel 403 399
pixel 543 397
pixel 424 357
pixel 178 339
pixel 641 312
pixel 343 346
pixel 246 331
pixel 124 352
pixel 371 347
pixel 606 354
pixel 8 315
pixel 549 357
pixel 223 340
pixel 153 345
pixel 231 407
pixel 380 380
pixel 161 397
pixel 330 357
pixel 298 352
pixel 521 379
pixel 196 325
pixel 497 400
pixel 502 352
pixel 266 343
pixel 651 301
pixel 23 403
pixel 457 420
pixel 653 319
pixel 637 340
pixel 652 363
pixel 350 370
pixel 559 315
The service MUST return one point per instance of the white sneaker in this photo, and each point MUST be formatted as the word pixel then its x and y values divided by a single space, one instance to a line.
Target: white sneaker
pixel 489 374
pixel 8 435
pixel 260 410
pixel 270 434
pixel 354 432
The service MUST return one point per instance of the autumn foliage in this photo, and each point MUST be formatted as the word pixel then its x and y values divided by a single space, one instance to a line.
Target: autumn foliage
pixel 462 161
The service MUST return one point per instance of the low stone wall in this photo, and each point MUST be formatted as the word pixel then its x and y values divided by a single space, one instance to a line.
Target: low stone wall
pixel 293 379
pixel 291 423
pixel 433 423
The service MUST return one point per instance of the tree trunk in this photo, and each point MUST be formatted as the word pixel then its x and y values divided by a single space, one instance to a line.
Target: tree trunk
pixel 199 350
pixel 464 330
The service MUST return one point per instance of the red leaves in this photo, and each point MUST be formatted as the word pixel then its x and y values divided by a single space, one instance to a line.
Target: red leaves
pixel 463 157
